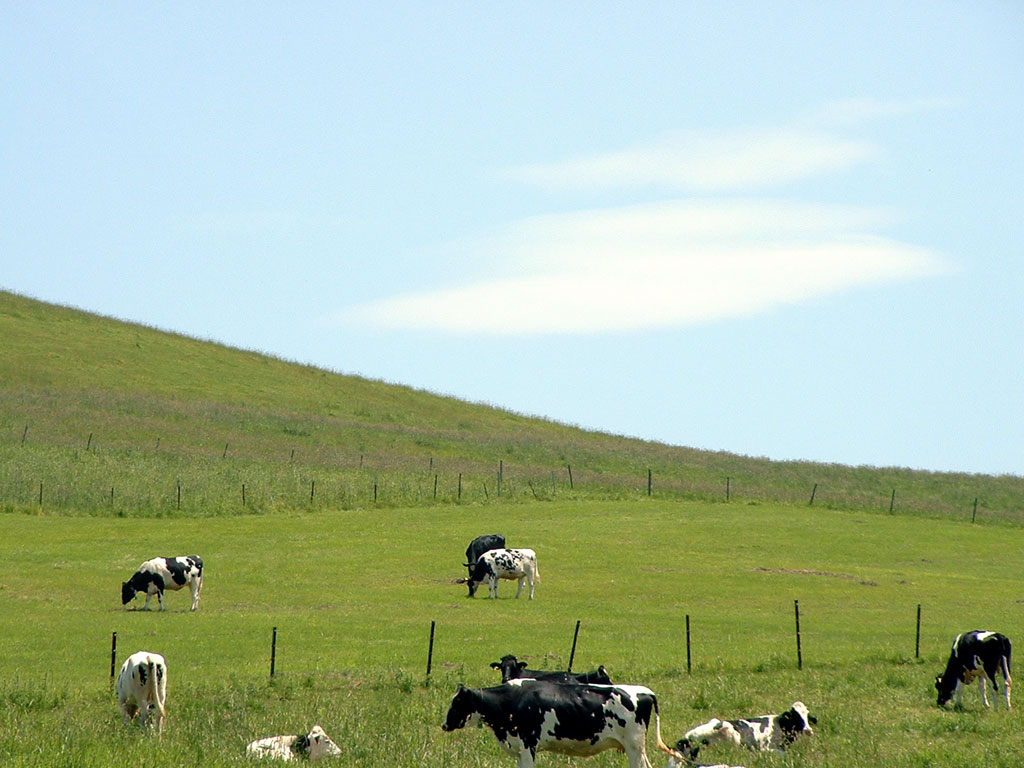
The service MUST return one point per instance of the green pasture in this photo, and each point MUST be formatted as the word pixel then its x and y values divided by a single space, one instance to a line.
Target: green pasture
pixel 353 594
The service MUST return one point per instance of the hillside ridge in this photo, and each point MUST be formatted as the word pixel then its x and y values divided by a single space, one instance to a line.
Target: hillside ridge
pixel 155 403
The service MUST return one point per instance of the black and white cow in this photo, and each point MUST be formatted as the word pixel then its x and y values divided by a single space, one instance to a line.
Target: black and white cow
pixel 531 716
pixel 142 689
pixel 160 573
pixel 768 732
pixel 498 564
pixel 482 544
pixel 312 746
pixel 513 669
pixel 976 654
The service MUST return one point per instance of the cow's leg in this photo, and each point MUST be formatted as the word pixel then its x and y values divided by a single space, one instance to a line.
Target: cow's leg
pixel 492 588
pixel 149 595
pixel 959 692
pixel 160 598
pixel 525 758
pixel 532 582
pixel 519 591
pixel 982 691
pixel 196 585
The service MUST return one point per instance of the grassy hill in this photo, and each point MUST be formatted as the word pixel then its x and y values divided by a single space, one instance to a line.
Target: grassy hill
pixel 102 417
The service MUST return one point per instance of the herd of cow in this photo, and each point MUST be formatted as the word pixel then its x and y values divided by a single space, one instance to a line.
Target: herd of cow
pixel 536 710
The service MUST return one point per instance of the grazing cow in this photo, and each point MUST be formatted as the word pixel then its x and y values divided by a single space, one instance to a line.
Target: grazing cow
pixel 504 564
pixel 513 669
pixel 978 655
pixel 160 573
pixel 482 544
pixel 142 689
pixel 531 716
pixel 768 732
pixel 314 745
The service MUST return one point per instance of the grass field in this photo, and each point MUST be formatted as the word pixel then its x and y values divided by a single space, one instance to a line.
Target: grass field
pixel 353 593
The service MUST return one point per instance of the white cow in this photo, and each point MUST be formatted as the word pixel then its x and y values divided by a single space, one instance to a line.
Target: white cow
pixel 497 564
pixel 142 689
pixel 314 745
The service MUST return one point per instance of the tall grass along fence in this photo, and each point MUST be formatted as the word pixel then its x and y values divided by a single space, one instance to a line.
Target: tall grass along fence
pixel 159 479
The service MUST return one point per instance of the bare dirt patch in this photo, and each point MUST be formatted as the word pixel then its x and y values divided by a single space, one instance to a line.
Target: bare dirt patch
pixel 829 574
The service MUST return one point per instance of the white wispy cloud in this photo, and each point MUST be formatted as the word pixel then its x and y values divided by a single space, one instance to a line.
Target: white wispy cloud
pixel 677 262
pixel 703 163
pixel 661 265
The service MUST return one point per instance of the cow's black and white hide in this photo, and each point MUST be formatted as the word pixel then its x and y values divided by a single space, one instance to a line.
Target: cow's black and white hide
pixel 498 564
pixel 976 655
pixel 767 732
pixel 513 669
pixel 142 689
pixel 482 544
pixel 313 746
pixel 160 573
pixel 531 716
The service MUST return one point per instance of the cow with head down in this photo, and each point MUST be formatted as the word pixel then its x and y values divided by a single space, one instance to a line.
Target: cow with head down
pixel 142 689
pixel 499 564
pixel 976 655
pixel 162 573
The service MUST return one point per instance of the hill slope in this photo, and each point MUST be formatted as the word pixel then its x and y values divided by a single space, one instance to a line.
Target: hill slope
pixel 99 416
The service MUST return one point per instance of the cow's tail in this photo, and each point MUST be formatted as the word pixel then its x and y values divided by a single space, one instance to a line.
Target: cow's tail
pixel 657 734
pixel 1004 661
pixel 153 689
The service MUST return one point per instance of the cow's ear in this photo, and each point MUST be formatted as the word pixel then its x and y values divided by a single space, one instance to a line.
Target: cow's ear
pixel 460 688
pixel 495 665
pixel 521 665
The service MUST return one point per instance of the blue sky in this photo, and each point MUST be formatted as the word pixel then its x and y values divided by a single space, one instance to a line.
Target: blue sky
pixel 782 229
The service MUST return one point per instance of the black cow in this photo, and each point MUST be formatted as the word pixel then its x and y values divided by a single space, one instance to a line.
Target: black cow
pixel 482 544
pixel 976 654
pixel 531 716
pixel 513 669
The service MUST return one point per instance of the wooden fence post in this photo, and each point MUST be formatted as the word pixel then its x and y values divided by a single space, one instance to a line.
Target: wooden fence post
pixel 575 636
pixel 814 490
pixel 649 481
pixel 430 649
pixel 569 467
pixel 689 668
pixel 917 642
pixel 799 653
pixel 892 500
pixel 273 651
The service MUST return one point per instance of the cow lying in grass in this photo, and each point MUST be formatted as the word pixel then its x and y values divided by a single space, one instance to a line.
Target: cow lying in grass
pixel 513 669
pixel 142 689
pixel 976 655
pixel 313 746
pixel 160 573
pixel 768 733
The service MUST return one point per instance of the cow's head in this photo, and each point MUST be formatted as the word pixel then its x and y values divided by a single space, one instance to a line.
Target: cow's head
pixel 477 575
pixel 462 710
pixel 796 721
pixel 945 690
pixel 511 668
pixel 319 744
pixel 127 593
pixel 685 753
